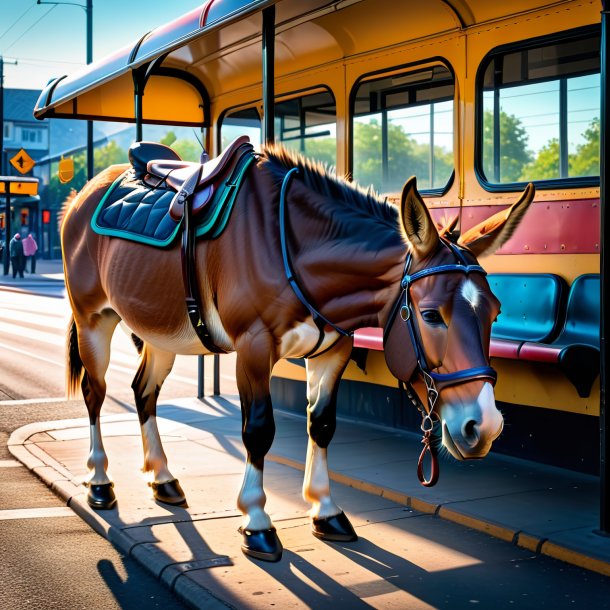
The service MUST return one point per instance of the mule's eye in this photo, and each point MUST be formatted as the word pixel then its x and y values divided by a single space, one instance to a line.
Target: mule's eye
pixel 432 317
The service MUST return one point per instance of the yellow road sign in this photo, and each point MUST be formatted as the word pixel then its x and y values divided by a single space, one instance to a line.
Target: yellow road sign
pixel 17 187
pixel 22 162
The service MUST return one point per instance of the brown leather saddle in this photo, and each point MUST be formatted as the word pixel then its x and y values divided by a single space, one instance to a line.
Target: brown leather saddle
pixel 158 165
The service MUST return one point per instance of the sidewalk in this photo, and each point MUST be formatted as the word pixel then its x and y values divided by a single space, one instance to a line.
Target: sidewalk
pixel 196 551
pixel 46 271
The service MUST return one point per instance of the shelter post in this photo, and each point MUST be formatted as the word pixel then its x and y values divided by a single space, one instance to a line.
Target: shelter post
pixel 604 465
pixel 268 74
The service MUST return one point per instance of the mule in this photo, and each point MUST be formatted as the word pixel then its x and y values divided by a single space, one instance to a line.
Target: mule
pixel 353 260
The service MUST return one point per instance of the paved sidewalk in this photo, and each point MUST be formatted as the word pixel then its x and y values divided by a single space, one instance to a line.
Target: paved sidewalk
pixel 49 274
pixel 196 551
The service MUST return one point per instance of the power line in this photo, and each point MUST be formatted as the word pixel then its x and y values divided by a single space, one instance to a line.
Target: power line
pixel 33 24
pixel 17 21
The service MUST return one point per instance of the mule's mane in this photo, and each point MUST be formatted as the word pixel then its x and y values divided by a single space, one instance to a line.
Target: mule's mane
pixel 323 180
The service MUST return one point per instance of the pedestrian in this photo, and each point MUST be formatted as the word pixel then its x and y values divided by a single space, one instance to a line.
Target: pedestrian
pixel 17 258
pixel 30 248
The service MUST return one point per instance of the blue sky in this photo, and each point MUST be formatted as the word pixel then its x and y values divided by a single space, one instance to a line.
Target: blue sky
pixel 49 40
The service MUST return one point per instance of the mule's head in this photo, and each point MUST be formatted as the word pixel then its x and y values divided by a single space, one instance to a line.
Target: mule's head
pixel 451 309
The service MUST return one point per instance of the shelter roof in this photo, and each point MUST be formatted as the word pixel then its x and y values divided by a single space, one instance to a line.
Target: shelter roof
pixel 216 49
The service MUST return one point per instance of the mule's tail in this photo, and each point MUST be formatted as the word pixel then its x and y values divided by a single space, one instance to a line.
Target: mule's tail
pixel 74 364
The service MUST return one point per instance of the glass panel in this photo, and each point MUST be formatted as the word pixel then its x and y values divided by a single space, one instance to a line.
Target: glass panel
pixel 583 125
pixel 188 142
pixel 403 126
pixel 540 116
pixel 308 124
pixel 241 122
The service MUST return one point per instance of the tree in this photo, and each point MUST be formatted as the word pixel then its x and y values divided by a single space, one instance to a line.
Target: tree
pixel 406 157
pixel 514 153
pixel 583 162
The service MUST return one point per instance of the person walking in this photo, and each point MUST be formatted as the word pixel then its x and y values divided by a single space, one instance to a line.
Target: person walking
pixel 30 248
pixel 17 258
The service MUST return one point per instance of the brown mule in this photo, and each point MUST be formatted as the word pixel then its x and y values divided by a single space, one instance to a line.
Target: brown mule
pixel 348 250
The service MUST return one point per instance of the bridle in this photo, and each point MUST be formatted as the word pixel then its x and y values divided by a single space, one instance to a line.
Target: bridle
pixel 435 382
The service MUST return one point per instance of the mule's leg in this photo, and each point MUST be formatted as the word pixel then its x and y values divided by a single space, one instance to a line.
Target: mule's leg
pixel 329 522
pixel 94 336
pixel 254 365
pixel 155 366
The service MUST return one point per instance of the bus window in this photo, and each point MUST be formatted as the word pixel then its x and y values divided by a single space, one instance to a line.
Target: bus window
pixel 402 125
pixel 540 111
pixel 239 123
pixel 308 124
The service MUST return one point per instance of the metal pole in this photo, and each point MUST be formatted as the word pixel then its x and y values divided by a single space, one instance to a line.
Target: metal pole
pixel 268 74
pixel 7 226
pixel 604 428
pixel 200 377
pixel 90 160
pixel 216 375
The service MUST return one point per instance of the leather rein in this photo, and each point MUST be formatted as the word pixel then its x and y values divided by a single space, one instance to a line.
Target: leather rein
pixel 435 382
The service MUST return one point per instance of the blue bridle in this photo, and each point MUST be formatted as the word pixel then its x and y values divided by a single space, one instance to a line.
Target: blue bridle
pixel 437 381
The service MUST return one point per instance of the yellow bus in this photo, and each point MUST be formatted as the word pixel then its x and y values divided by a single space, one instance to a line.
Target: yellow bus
pixel 476 99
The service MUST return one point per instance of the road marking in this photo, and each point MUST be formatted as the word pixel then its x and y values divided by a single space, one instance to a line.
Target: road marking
pixel 31 401
pixel 9 463
pixel 36 513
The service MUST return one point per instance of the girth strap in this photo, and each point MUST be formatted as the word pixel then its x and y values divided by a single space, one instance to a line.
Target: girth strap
pixel 189 275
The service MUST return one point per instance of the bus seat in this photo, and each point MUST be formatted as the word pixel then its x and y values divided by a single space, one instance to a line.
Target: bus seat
pixel 576 349
pixel 532 306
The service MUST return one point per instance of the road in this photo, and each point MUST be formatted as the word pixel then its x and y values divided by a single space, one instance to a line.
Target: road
pixel 50 558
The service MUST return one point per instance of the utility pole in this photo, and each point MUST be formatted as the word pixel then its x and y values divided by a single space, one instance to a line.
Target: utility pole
pixel 7 207
pixel 88 8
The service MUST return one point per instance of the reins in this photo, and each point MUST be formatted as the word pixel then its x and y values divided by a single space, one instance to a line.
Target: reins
pixel 435 382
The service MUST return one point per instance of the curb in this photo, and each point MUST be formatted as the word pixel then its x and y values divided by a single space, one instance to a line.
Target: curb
pixel 175 576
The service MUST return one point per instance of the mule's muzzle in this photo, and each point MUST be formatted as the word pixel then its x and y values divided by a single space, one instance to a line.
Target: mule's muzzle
pixel 468 431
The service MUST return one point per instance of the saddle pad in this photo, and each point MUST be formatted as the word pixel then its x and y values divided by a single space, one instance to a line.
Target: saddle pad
pixel 132 210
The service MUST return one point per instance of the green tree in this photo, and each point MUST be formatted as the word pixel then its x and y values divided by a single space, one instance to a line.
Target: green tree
pixel 406 157
pixel 583 162
pixel 514 153
pixel 168 139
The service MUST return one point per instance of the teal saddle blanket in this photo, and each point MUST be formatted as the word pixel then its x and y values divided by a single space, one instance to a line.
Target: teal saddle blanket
pixel 135 211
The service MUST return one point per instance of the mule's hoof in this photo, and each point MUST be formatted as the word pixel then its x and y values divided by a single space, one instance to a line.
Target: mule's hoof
pixel 262 544
pixel 101 497
pixel 169 492
pixel 336 528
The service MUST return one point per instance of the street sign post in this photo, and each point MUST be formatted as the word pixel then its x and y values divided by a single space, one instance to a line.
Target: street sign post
pixel 12 185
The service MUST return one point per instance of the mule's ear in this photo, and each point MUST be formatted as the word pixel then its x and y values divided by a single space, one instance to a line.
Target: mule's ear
pixel 489 235
pixel 416 220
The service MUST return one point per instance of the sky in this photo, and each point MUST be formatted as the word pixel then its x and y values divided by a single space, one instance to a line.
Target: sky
pixel 49 40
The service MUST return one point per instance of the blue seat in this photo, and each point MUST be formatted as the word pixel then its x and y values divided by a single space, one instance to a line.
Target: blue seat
pixel 532 306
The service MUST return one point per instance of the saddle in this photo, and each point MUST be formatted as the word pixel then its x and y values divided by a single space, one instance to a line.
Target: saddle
pixel 158 165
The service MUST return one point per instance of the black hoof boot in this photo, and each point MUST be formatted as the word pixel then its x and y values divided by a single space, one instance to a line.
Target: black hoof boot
pixel 262 544
pixel 101 497
pixel 336 529
pixel 169 492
